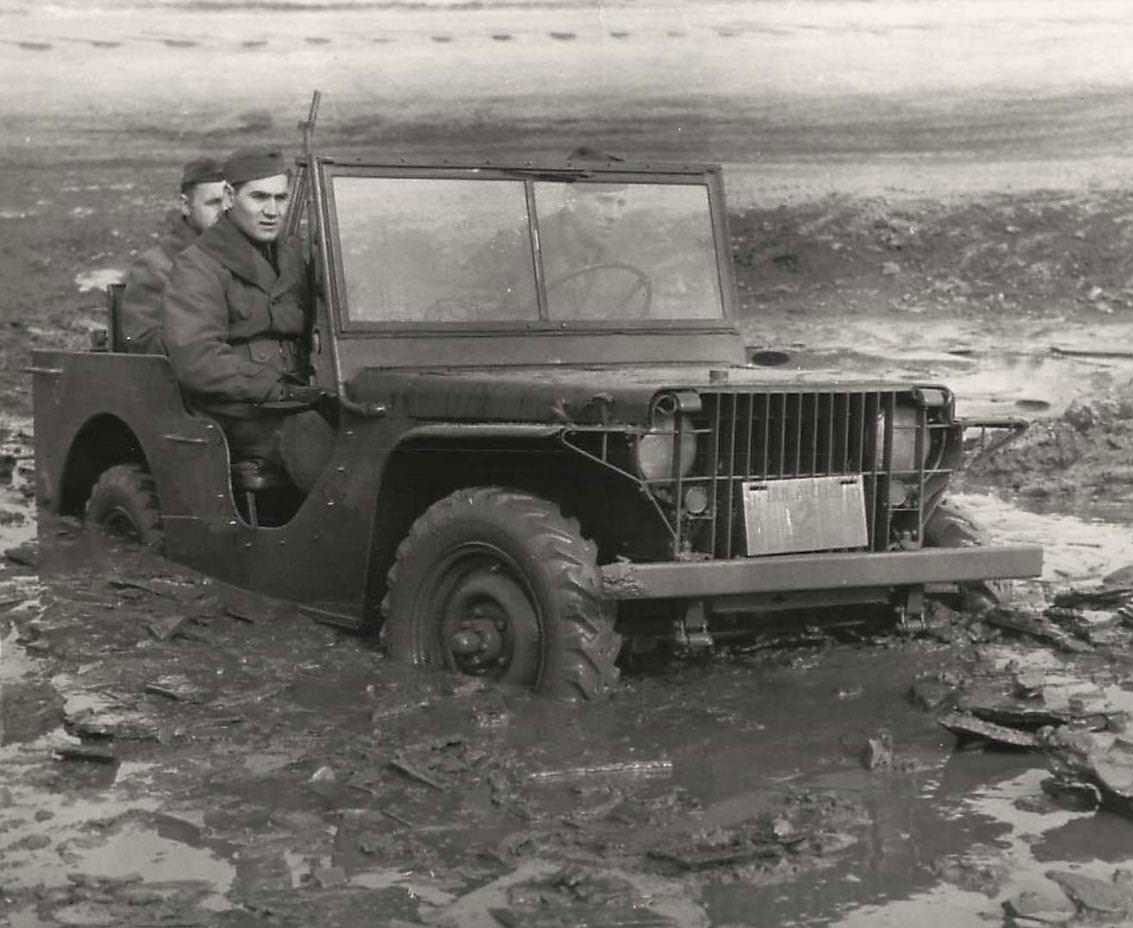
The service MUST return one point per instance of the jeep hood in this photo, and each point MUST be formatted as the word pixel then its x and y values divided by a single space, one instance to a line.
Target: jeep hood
pixel 583 395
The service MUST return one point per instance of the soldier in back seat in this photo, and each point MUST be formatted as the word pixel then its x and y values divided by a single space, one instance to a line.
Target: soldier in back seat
pixel 202 200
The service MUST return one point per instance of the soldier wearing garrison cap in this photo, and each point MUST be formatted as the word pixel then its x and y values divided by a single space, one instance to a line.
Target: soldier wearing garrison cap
pixel 236 311
pixel 201 203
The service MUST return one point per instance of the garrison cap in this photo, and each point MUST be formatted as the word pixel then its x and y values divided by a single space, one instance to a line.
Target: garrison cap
pixel 200 171
pixel 253 164
pixel 586 153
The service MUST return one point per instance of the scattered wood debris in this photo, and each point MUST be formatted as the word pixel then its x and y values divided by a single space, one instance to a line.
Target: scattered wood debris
pixel 1096 897
pixel 100 753
pixel 178 687
pixel 966 727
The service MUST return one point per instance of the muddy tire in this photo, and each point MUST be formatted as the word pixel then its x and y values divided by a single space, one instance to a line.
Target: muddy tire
pixel 952 526
pixel 497 583
pixel 123 503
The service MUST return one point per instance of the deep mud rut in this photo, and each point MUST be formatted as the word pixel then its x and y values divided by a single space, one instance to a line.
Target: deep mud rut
pixel 178 754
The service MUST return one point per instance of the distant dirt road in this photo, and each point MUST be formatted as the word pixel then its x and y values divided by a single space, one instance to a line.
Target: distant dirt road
pixel 801 99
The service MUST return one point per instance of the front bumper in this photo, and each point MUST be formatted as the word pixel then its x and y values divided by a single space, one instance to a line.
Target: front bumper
pixel 842 571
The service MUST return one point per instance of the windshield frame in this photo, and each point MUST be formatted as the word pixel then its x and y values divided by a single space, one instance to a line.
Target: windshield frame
pixel 706 177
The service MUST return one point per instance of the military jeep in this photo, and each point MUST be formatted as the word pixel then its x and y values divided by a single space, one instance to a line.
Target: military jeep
pixel 542 434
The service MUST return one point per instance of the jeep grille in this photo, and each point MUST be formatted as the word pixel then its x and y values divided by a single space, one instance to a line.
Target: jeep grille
pixel 765 436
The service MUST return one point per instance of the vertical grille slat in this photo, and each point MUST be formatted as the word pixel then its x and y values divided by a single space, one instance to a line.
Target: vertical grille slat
pixel 749 451
pixel 886 468
pixel 715 497
pixel 921 453
pixel 781 456
pixel 869 441
pixel 798 417
pixel 844 449
pixel 858 430
pixel 765 410
pixel 733 488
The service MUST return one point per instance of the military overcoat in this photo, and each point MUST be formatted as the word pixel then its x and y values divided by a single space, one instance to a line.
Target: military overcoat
pixel 235 327
pixel 140 306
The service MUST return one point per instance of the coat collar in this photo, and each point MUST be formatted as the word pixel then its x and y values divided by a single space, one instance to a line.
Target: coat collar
pixel 232 248
pixel 176 234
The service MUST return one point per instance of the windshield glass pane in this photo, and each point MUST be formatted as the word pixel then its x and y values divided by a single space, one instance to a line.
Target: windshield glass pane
pixel 418 250
pixel 627 251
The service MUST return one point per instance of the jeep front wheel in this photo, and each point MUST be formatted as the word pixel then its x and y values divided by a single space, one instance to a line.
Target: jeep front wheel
pixel 497 583
pixel 123 503
pixel 952 526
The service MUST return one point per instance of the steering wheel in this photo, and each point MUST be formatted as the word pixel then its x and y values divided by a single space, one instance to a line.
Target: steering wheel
pixel 641 284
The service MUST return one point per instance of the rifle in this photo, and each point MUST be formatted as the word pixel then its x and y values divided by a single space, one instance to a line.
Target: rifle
pixel 299 191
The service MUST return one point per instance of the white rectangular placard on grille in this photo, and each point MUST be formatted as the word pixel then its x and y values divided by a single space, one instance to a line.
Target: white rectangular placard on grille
pixel 804 514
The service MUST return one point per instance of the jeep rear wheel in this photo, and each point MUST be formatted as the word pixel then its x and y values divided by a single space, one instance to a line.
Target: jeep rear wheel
pixel 497 583
pixel 123 503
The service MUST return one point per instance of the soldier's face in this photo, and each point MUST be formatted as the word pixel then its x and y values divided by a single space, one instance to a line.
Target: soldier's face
pixel 204 204
pixel 259 207
pixel 601 209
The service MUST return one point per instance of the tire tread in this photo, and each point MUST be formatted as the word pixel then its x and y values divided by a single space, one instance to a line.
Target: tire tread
pixel 579 661
pixel 130 485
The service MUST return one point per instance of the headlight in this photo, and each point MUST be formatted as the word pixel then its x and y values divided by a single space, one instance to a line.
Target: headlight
pixel 906 425
pixel 670 434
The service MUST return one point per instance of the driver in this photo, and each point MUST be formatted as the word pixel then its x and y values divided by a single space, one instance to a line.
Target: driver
pixel 585 246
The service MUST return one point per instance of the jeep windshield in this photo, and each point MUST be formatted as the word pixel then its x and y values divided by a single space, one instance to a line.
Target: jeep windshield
pixel 461 250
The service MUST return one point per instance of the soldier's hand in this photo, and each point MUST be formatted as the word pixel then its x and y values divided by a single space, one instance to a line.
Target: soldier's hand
pixel 299 393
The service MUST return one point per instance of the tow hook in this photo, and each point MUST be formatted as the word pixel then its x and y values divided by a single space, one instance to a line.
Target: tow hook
pixel 911 610
pixel 691 632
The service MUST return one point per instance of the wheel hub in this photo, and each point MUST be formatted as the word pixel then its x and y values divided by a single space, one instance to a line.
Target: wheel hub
pixel 119 524
pixel 478 643
pixel 484 611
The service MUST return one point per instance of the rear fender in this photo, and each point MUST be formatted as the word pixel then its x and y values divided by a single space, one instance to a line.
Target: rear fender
pixel 102 442
pixel 95 410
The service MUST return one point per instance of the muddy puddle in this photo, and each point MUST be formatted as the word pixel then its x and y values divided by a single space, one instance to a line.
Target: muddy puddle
pixel 17 484
pixel 1032 369
pixel 236 768
pixel 170 759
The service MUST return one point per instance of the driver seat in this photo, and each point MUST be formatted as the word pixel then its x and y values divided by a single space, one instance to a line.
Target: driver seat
pixel 252 477
pixel 306 442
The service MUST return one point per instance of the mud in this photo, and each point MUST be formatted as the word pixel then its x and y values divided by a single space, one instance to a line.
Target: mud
pixel 254 767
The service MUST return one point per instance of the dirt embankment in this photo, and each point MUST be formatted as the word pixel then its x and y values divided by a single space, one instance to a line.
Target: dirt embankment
pixel 1045 254
pixel 1088 450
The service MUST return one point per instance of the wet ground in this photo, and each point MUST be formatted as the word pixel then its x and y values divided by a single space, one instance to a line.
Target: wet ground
pixel 176 753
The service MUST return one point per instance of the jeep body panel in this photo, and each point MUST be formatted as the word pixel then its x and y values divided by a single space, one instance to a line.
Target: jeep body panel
pixel 579 394
pixel 426 406
pixel 727 583
pixel 79 395
pixel 333 530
